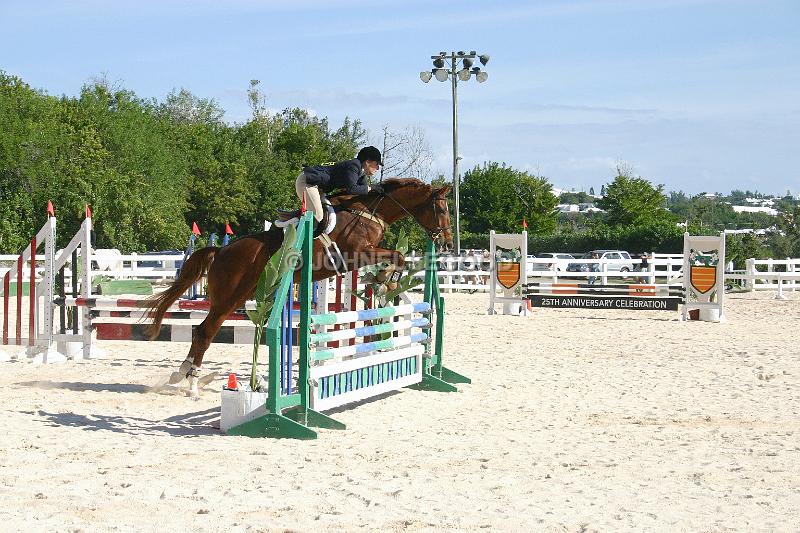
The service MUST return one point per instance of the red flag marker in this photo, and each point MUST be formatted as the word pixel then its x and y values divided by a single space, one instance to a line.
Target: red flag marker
pixel 524 224
pixel 195 229
pixel 50 209
pixel 303 206
pixel 88 211
pixel 228 230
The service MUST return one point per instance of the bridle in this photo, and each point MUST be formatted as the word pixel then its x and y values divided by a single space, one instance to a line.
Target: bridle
pixel 433 233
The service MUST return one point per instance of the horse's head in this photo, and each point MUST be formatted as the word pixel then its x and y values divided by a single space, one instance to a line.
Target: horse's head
pixel 427 204
pixel 436 218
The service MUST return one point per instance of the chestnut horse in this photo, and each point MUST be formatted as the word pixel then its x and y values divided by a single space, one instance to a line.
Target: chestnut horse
pixel 233 270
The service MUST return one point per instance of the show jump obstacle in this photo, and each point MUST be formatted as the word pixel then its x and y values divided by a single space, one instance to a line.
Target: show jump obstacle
pixel 342 357
pixel 704 276
pixel 42 339
pixel 702 288
pixel 509 272
pixel 85 318
pixel 404 348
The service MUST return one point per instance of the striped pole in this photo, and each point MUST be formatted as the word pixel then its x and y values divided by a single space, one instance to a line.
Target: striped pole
pixel 631 286
pixel 140 315
pixel 180 305
pixel 366 331
pixel 31 296
pixel 601 292
pixel 353 299
pixel 110 331
pixel 330 319
pixel 19 300
pixel 344 351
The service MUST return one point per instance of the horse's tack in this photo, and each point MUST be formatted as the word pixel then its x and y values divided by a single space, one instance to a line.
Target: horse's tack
pixel 233 272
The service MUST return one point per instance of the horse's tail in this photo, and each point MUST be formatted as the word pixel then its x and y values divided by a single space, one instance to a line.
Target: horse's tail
pixel 191 271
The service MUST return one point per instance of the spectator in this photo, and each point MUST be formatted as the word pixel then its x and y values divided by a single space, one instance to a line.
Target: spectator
pixel 644 267
pixel 593 267
pixel 485 266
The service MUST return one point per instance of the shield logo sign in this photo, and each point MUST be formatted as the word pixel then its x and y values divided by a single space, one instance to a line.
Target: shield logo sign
pixel 703 278
pixel 508 274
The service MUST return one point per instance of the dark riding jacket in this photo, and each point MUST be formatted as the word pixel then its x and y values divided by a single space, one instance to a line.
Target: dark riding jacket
pixel 345 175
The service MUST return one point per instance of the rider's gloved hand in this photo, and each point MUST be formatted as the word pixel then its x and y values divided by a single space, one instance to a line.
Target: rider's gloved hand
pixel 377 187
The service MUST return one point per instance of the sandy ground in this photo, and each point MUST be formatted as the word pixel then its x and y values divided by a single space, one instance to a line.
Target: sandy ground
pixel 576 420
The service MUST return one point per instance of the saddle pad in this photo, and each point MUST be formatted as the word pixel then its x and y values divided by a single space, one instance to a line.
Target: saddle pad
pixel 331 219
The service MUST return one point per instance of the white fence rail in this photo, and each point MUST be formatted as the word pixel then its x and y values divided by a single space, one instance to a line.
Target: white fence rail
pixel 471 273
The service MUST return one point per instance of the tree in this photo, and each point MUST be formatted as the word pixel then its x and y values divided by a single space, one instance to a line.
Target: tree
pixel 633 201
pixel 679 204
pixel 737 197
pixel 497 197
pixel 575 198
pixel 183 107
pixel 406 154
pixel 789 223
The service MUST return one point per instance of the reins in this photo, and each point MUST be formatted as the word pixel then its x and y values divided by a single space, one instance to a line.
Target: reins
pixel 371 210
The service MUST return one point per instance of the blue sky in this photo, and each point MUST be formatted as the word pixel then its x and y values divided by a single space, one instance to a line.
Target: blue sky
pixel 696 95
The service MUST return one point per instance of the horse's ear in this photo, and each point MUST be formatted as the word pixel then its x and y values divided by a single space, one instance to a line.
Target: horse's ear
pixel 444 191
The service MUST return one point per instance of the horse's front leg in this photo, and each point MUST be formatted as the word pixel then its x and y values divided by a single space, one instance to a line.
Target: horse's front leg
pixel 374 256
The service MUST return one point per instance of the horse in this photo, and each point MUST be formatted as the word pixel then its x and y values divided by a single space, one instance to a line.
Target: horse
pixel 233 270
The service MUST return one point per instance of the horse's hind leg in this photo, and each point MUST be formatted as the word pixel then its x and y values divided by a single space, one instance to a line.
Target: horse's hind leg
pixel 202 336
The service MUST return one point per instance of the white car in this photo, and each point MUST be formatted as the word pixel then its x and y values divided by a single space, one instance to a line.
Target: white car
pixel 558 262
pixel 619 260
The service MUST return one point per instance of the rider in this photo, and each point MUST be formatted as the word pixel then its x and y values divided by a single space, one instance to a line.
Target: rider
pixel 351 176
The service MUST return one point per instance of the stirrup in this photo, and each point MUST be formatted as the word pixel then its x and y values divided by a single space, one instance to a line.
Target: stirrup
pixel 319 229
pixel 336 258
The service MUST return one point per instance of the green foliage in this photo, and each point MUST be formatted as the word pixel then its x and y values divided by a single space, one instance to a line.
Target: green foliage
pixel 498 197
pixel 575 198
pixel 634 201
pixel 663 237
pixel 283 261
pixel 369 274
pixel 149 169
pixel 414 234
pixel 787 243
pixel 716 212
pixel 738 248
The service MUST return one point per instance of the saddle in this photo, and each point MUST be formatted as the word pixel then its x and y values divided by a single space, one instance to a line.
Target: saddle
pixel 321 232
pixel 326 225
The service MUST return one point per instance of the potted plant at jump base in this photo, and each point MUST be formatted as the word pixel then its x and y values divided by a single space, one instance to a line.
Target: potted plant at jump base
pixel 246 401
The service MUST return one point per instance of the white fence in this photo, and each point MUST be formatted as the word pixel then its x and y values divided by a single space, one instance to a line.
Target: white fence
pixel 471 273
pixel 772 274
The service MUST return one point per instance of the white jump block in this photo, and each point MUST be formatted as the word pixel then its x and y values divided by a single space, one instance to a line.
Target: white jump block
pixel 240 406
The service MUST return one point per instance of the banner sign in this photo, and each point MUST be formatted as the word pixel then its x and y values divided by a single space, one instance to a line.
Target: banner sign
pixel 629 303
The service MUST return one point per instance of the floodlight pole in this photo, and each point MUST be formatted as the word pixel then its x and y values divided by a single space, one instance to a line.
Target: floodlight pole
pixel 439 63
pixel 456 177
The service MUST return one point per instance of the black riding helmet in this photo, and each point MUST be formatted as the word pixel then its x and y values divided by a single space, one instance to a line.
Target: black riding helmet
pixel 369 153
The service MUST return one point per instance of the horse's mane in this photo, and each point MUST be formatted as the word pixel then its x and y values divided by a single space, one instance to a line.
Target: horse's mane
pixel 389 185
pixel 392 184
